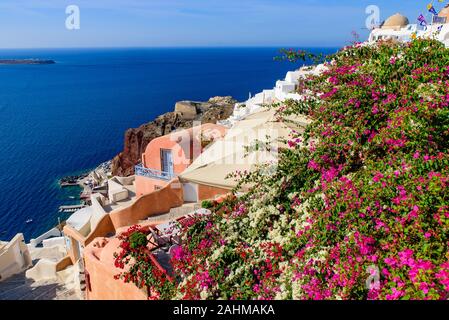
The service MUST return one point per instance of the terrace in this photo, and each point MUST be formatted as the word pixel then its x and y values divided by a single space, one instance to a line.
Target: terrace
pixel 163 238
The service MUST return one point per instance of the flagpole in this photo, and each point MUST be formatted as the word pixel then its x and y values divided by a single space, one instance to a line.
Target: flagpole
pixel 431 15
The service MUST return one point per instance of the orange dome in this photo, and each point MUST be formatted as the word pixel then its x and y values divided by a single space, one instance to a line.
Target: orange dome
pixel 396 21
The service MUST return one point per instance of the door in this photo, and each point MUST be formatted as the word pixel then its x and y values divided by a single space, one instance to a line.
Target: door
pixel 167 161
pixel 190 192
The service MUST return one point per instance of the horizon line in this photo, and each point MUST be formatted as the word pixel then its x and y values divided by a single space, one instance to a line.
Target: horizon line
pixel 171 47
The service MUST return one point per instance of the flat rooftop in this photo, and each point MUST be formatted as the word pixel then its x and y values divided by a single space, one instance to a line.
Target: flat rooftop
pixel 124 203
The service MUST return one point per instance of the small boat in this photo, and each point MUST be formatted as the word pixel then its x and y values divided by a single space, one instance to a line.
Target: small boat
pixel 29 221
pixel 71 197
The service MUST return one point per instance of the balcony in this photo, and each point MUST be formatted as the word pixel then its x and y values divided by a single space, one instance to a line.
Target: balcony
pixel 152 173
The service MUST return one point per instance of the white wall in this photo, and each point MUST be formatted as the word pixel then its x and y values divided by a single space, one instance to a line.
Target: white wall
pixel 190 191
pixel 125 181
pixel 293 76
pixel 59 241
pixel 49 234
pixel 14 257
pixel 116 191
pixel 80 220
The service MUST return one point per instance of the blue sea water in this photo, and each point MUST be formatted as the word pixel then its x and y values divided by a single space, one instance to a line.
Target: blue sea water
pixel 61 119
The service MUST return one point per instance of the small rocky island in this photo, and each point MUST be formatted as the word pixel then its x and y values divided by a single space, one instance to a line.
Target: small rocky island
pixel 25 61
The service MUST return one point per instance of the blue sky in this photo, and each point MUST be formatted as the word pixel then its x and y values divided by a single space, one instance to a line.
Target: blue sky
pixel 147 23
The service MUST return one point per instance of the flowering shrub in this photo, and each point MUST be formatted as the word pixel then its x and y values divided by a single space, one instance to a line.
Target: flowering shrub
pixel 360 209
pixel 140 269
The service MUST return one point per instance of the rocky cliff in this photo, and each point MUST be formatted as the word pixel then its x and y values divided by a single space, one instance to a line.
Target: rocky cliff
pixel 137 139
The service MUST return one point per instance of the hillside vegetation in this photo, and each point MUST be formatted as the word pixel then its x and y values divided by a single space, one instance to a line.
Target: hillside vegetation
pixel 359 205
pixel 362 196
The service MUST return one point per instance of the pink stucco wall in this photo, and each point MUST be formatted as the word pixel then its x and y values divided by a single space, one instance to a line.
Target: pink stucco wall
pixel 152 204
pixel 210 193
pixel 146 185
pixel 100 272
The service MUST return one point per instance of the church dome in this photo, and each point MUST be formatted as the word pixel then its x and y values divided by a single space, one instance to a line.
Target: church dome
pixel 396 21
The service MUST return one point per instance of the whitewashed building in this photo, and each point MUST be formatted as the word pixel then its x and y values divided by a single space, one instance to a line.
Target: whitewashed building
pixel 283 90
pixel 398 27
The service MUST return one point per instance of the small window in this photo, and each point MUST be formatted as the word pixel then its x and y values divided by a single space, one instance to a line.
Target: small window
pixel 167 161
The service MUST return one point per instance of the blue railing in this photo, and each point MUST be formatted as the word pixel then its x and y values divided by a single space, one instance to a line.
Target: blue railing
pixel 152 173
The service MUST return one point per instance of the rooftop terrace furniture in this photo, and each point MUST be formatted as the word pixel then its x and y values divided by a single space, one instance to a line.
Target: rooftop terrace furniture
pixel 158 239
pixel 202 212
pixel 171 230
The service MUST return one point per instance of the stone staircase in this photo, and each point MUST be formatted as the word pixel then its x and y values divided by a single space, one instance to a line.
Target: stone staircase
pixel 18 287
pixel 176 213
pixel 41 281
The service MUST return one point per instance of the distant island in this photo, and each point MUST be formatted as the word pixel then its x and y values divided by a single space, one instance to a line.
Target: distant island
pixel 25 61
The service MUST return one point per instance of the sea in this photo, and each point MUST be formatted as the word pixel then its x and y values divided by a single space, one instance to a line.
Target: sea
pixel 67 118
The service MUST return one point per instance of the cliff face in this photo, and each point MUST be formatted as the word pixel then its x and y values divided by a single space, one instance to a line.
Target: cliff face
pixel 137 139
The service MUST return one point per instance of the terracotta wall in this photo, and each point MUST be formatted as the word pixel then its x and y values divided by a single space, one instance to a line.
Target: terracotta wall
pixel 146 185
pixel 100 282
pixel 155 203
pixel 64 263
pixel 100 271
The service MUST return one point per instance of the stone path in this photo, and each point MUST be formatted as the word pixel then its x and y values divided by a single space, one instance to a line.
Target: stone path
pixel 62 287
pixel 18 287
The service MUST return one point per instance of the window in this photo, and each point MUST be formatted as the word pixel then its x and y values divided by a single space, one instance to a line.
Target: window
pixel 167 161
pixel 439 20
